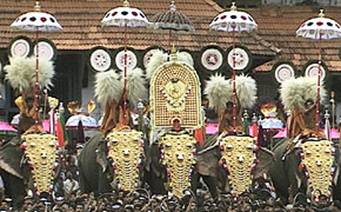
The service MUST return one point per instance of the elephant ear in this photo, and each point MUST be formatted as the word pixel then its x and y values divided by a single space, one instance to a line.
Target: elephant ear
pixel 265 160
pixel 101 156
pixel 10 158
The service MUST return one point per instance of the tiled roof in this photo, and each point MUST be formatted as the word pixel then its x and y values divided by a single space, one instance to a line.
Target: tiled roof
pixel 82 31
pixel 278 26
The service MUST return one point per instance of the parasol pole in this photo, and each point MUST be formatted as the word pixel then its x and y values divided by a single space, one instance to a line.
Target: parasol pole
pixel 37 85
pixel 125 80
pixel 332 101
pixel 234 92
pixel 318 97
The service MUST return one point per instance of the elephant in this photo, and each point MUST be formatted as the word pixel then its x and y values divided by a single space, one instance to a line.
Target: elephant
pixel 244 165
pixel 29 162
pixel 309 166
pixel 206 166
pixel 111 162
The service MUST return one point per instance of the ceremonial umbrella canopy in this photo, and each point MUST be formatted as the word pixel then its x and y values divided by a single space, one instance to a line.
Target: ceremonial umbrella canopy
pixel 87 121
pixel 125 17
pixel 236 22
pixel 6 130
pixel 319 28
pixel 172 20
pixel 36 21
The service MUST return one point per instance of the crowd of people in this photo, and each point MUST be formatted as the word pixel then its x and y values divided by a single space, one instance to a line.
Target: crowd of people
pixel 67 197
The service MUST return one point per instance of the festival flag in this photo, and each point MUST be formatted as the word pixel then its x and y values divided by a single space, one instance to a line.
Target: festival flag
pixel 60 130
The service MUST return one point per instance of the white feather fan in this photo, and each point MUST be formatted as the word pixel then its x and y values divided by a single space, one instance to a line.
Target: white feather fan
pixel 185 57
pixel 218 91
pixel 246 91
pixel 108 87
pixel 295 92
pixel 21 73
pixel 135 85
pixel 158 58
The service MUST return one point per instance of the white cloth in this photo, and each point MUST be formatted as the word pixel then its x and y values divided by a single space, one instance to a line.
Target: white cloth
pixel 70 185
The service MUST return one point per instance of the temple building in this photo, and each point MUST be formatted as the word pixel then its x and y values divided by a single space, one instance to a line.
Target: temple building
pixel 262 53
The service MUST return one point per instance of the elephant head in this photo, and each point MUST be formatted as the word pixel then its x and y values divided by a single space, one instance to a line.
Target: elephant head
pixel 243 161
pixel 41 152
pixel 125 150
pixel 317 161
pixel 177 154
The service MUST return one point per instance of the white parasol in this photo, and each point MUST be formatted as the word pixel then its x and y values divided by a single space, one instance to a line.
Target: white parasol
pixel 233 21
pixel 36 21
pixel 126 17
pixel 319 28
pixel 87 121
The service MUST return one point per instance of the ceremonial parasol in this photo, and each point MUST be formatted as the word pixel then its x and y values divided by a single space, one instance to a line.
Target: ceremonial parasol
pixel 236 22
pixel 319 28
pixel 6 130
pixel 126 17
pixel 172 20
pixel 87 121
pixel 37 21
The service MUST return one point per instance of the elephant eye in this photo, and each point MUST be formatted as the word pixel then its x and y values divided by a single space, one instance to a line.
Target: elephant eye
pixel 249 147
pixel 189 146
pixel 229 146
pixel 114 142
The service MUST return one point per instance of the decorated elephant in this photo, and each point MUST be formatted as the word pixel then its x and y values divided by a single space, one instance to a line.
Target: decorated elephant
pixel 243 162
pixel 305 162
pixel 175 111
pixel 113 158
pixel 112 163
pixel 28 161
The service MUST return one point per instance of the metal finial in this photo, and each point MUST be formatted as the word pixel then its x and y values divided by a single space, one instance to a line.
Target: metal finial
pixel 326 114
pixel 172 6
pixel 37 6
pixel 126 3
pixel 321 14
pixel 173 53
pixel 233 6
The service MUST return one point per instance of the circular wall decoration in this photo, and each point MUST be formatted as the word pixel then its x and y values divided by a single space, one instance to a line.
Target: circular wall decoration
pixel 212 59
pixel 312 70
pixel 20 47
pixel 239 58
pixel 100 59
pixel 146 57
pixel 284 71
pixel 131 60
pixel 46 48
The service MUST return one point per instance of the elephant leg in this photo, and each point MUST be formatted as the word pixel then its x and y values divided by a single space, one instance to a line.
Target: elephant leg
pixel 194 182
pixel 103 183
pixel 211 183
pixel 83 183
pixel 15 188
